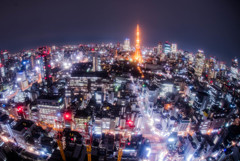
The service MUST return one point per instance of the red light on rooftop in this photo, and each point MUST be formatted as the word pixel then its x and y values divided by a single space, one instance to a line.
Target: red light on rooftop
pixel 19 109
pixel 130 122
pixel 67 116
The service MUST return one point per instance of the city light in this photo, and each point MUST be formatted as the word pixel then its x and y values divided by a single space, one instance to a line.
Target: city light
pixel 171 139
pixel 67 116
pixel 141 103
pixel 30 149
pixel 148 152
pixel 189 157
pixel 20 109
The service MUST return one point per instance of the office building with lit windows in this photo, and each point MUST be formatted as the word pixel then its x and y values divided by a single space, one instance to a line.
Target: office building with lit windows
pixel 234 69
pixel 50 107
pixel 159 48
pixel 167 47
pixel 174 48
pixel 82 118
pixel 126 45
pixel 199 63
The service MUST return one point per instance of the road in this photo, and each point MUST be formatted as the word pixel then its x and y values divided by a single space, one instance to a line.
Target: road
pixel 148 130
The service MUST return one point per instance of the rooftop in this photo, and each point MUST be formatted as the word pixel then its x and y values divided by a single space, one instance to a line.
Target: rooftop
pixel 23 124
pixel 49 97
pixel 100 74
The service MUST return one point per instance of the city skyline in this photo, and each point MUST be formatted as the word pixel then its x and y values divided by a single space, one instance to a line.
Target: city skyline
pixel 136 80
pixel 118 101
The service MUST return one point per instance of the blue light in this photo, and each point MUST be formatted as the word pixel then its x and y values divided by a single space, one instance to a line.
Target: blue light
pixel 42 153
pixel 60 100
pixel 225 150
pixel 25 62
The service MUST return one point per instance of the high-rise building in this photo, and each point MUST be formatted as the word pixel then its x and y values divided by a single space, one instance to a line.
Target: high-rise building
pixel 50 107
pixel 99 96
pixel 3 59
pixel 184 124
pixel 96 63
pixel 190 58
pixel 46 62
pixel 126 45
pixel 201 101
pixel 167 47
pixel 174 48
pixel 159 48
pixel 162 57
pixel 234 69
pixel 138 56
pixel 2 72
pixel 222 66
pixel 199 63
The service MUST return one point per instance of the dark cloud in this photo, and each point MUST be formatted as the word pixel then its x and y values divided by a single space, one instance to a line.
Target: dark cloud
pixel 210 25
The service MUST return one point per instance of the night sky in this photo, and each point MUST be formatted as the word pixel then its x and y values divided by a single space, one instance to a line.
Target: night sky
pixel 211 25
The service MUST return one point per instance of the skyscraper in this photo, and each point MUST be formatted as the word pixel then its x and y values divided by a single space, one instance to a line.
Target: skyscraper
pixel 3 59
pixel 167 47
pixel 234 69
pixel 174 48
pixel 126 45
pixel 96 63
pixel 199 63
pixel 138 56
pixel 159 48
pixel 45 55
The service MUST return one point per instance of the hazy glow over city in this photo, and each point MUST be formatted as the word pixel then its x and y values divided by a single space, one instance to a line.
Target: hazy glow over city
pixel 116 97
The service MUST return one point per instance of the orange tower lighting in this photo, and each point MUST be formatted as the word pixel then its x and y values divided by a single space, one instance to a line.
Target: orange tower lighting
pixel 138 56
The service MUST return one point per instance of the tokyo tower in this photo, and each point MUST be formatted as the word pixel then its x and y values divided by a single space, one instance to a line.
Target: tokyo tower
pixel 138 56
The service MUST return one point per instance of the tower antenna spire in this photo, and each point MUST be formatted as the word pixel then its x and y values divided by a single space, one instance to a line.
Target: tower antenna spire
pixel 138 56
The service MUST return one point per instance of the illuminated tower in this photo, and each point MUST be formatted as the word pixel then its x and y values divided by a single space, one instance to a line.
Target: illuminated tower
pixel 138 56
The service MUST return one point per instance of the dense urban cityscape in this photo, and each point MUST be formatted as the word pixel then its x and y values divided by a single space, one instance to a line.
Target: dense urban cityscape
pixel 107 101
